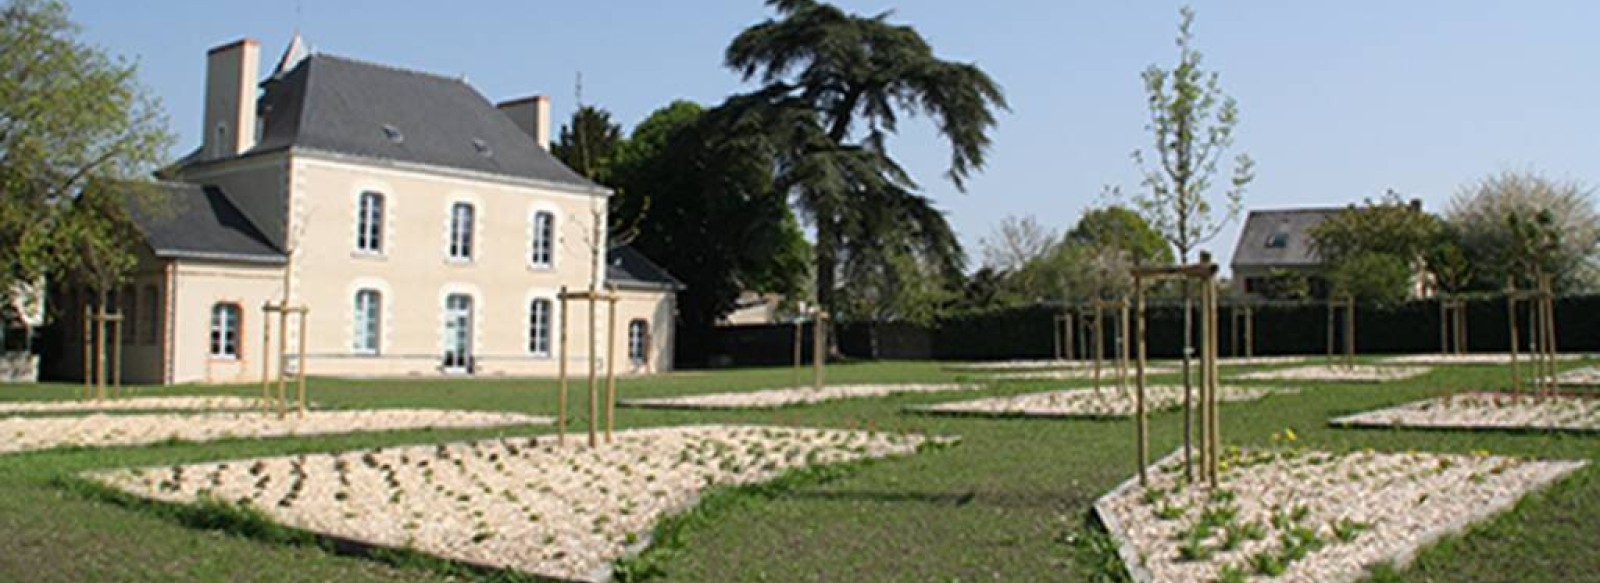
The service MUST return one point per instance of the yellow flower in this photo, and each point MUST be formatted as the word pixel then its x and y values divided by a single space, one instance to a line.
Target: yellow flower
pixel 1289 434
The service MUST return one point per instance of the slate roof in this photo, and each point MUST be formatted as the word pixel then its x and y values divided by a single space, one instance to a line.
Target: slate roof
pixel 628 268
pixel 1291 225
pixel 344 106
pixel 199 222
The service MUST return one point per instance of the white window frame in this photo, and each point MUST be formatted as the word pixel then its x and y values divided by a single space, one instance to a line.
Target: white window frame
pixel 540 326
pixel 639 341
pixel 369 222
pixel 367 322
pixel 461 231
pixel 225 334
pixel 542 243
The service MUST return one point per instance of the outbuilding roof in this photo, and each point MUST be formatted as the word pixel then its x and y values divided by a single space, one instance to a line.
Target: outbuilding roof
pixel 627 267
pixel 199 222
pixel 1279 237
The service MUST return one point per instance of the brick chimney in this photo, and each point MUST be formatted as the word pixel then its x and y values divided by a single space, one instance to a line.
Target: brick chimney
pixel 532 116
pixel 230 110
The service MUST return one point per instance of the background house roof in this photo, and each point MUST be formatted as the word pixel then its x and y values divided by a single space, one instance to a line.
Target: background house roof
pixel 341 105
pixel 199 222
pixel 1288 232
pixel 627 267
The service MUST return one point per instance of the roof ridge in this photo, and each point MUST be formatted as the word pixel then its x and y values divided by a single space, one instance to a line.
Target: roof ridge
pixel 389 67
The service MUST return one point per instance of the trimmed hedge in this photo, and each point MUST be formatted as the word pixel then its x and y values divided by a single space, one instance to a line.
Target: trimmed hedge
pixel 1280 329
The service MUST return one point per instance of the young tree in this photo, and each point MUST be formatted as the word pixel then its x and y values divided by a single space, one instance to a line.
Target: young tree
pixel 1480 214
pixel 1191 123
pixel 835 86
pixel 78 137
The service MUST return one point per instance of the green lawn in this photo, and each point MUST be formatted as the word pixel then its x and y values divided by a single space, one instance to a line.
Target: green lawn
pixel 1010 502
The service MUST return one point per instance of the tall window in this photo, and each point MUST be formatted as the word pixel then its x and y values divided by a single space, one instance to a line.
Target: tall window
pixel 369 223
pixel 368 315
pixel 225 330
pixel 544 234
pixel 539 313
pixel 461 231
pixel 151 315
pixel 639 341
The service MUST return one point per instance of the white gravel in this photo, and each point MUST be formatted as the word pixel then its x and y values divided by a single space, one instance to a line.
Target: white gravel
pixel 774 398
pixel 1108 372
pixel 1360 373
pixel 1406 501
pixel 1486 411
pixel 526 504
pixel 1107 402
pixel 1587 376
pixel 195 403
pixel 1485 358
pixel 35 433
pixel 1013 365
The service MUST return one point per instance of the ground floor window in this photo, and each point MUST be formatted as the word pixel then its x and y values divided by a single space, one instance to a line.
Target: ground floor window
pixel 638 341
pixel 225 322
pixel 539 327
pixel 368 315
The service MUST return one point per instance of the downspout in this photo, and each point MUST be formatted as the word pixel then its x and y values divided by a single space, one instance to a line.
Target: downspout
pixel 168 363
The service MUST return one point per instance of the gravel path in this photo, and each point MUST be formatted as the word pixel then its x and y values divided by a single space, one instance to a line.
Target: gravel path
pixel 1360 373
pixel 1014 365
pixel 35 433
pixel 774 398
pixel 1485 358
pixel 135 404
pixel 526 504
pixel 1107 402
pixel 1108 371
pixel 1486 411
pixel 1587 377
pixel 1386 506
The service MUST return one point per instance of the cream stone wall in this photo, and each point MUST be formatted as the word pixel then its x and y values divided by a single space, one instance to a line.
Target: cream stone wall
pixel 198 287
pixel 414 274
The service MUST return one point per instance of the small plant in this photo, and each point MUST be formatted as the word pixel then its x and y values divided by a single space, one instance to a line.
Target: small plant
pixel 1268 564
pixel 1346 530
pixel 1232 574
pixel 1168 511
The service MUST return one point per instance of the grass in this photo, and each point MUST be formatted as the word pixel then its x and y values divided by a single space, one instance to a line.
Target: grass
pixel 1011 501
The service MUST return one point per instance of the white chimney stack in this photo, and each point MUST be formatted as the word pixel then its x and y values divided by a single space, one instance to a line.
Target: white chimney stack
pixel 232 71
pixel 532 116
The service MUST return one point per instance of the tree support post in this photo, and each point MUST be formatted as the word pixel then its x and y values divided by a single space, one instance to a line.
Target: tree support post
pixel 561 374
pixel 1141 425
pixel 611 364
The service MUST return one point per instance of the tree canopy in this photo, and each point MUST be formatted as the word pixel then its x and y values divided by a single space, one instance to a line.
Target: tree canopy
pixel 1374 251
pixel 588 142
pixel 1485 214
pixel 78 140
pixel 835 85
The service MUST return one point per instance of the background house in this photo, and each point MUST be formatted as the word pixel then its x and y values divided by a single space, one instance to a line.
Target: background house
pixel 428 230
pixel 1278 241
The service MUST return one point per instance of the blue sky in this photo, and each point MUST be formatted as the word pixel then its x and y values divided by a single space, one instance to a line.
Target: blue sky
pixel 1339 100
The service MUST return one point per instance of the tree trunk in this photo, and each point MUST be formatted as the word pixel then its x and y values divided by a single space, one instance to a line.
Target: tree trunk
pixel 827 264
pixel 1188 385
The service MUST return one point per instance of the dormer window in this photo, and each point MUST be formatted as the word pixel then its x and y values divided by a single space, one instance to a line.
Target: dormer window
pixel 1278 240
pixel 393 133
pixel 483 148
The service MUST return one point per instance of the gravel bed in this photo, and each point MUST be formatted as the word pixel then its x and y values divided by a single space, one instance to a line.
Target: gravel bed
pixel 1108 371
pixel 35 433
pixel 136 404
pixel 1107 402
pixel 1486 411
pixel 526 504
pixel 1587 377
pixel 1310 516
pixel 1485 358
pixel 1360 373
pixel 1014 365
pixel 774 398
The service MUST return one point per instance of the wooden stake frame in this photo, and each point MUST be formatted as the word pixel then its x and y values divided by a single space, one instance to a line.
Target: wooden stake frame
pixel 1206 272
pixel 1347 303
pixel 1243 320
pixel 1063 333
pixel 1452 325
pixel 1540 303
pixel 611 297
pixel 94 351
pixel 281 400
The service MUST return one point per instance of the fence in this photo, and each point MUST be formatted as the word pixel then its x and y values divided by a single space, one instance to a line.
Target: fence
pixel 1026 333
